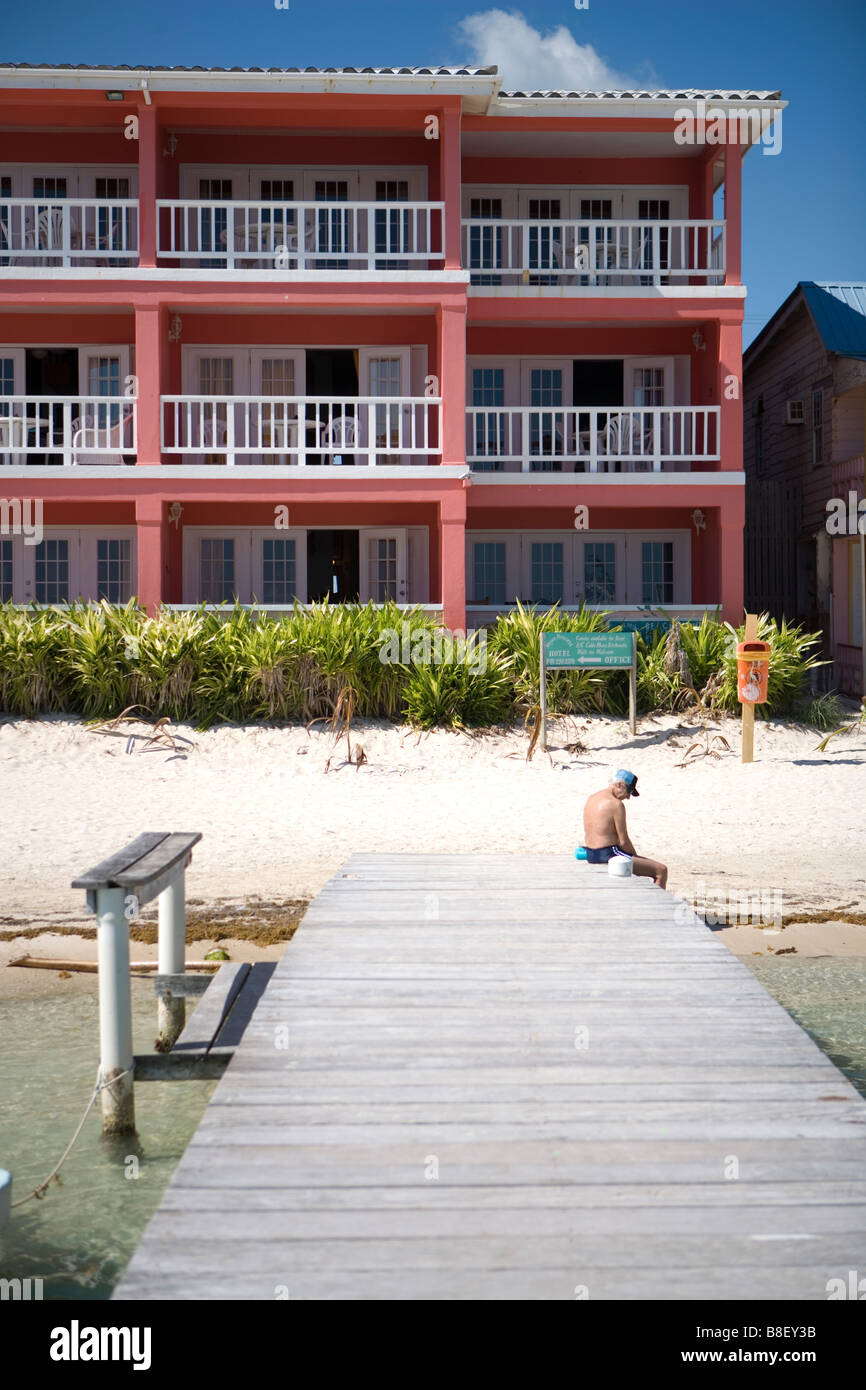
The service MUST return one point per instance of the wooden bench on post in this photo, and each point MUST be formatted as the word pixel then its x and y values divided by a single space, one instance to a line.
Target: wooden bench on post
pixel 151 866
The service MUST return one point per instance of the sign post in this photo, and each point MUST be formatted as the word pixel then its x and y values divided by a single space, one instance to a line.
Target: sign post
pixel 753 658
pixel 588 651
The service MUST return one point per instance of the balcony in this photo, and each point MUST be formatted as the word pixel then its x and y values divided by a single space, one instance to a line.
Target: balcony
pixel 68 232
pixel 594 254
pixel 340 236
pixel 644 439
pixel 68 430
pixel 298 430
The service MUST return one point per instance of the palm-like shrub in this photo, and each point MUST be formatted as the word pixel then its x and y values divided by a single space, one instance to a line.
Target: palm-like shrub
pixel 321 661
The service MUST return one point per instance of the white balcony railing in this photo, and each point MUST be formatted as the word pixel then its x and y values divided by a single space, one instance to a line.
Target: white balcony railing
pixel 68 231
pixel 302 236
pixel 87 430
pixel 592 253
pixel 582 440
pixel 300 430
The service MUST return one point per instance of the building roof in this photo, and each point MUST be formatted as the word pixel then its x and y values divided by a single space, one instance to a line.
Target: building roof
pixel 838 312
pixel 435 71
pixel 662 94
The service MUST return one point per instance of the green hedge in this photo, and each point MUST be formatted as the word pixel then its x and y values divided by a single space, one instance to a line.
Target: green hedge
pixel 230 665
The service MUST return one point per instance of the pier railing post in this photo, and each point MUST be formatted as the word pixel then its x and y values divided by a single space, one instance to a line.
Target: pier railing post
pixel 115 1013
pixel 171 1011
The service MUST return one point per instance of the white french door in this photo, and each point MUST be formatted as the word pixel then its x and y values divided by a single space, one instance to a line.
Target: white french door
pixel 384 571
pixel 545 247
pixel 274 373
pixel 12 429
pixel 546 387
pixel 331 233
pixel 104 371
pixel 386 372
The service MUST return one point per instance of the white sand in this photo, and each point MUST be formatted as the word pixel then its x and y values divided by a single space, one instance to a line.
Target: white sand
pixel 277 825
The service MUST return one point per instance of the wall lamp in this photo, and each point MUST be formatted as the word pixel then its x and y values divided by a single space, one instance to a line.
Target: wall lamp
pixel 115 96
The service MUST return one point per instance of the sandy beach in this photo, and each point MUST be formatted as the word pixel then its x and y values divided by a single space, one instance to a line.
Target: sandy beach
pixel 280 811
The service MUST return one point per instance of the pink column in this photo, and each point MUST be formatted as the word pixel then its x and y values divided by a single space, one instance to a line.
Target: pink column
pixel 148 140
pixel 147 369
pixel 150 525
pixel 452 382
pixel 730 380
pixel 452 530
pixel 450 184
pixel 733 211
pixel 731 576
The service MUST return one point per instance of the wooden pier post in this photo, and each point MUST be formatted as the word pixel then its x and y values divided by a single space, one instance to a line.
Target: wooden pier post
pixel 115 1013
pixel 171 1009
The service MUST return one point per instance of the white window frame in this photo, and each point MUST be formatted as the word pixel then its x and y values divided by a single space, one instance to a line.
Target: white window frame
pixel 88 562
pixel 83 570
pixel 628 557
pixel 259 535
pixel 242 537
pixel 618 539
pixel 682 543
pixel 375 533
pixel 630 364
pixel 118 350
pixel 511 540
pixel 530 538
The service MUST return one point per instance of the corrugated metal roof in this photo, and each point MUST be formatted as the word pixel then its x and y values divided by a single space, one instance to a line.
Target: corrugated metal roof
pixel 839 312
pixel 636 94
pixel 277 72
pixel 466 70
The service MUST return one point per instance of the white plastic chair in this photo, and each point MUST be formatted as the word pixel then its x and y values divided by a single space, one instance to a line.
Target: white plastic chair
pixel 339 435
pixel 81 432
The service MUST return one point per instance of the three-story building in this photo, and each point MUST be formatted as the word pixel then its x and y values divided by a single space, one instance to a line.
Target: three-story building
pixel 368 334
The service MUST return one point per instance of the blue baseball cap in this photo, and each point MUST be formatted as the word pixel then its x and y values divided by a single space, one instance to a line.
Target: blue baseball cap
pixel 630 780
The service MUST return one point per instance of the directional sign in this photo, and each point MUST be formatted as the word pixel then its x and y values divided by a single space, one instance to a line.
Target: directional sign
pixel 594 650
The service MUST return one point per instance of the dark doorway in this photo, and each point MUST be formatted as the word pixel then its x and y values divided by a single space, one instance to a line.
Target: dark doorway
pixel 333 570
pixel 49 372
pixel 331 372
pixel 598 382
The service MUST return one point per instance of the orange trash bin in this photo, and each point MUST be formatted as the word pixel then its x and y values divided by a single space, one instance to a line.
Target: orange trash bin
pixel 753 668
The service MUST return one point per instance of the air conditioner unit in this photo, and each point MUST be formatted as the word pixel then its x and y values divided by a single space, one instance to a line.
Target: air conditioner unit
pixel 796 413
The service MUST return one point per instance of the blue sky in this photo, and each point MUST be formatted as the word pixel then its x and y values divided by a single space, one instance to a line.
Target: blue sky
pixel 804 209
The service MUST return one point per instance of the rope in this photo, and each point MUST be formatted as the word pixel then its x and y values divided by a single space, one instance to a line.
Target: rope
pixel 100 1086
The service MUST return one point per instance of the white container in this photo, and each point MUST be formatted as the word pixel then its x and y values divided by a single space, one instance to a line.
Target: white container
pixel 619 866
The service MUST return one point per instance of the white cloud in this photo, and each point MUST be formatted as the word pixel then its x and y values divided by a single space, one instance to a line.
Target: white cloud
pixel 527 58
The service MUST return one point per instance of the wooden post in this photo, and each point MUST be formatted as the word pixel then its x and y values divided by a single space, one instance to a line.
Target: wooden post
pixel 115 1013
pixel 632 687
pixel 750 635
pixel 542 694
pixel 171 1010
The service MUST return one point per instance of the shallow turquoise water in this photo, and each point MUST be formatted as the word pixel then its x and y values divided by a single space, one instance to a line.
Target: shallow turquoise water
pixel 79 1236
pixel 827 997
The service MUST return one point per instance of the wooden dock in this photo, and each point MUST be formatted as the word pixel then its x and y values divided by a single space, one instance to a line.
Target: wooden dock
pixel 513 1077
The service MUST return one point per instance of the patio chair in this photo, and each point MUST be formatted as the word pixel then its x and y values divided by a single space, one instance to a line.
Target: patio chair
pixel 84 431
pixel 339 434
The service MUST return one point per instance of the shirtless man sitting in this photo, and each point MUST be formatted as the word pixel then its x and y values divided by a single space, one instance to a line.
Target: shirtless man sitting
pixel 606 833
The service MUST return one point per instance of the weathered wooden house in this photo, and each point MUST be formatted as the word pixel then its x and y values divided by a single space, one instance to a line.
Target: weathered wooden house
pixel 804 421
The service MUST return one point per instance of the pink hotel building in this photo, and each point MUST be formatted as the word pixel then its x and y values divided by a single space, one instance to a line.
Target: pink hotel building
pixel 373 334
